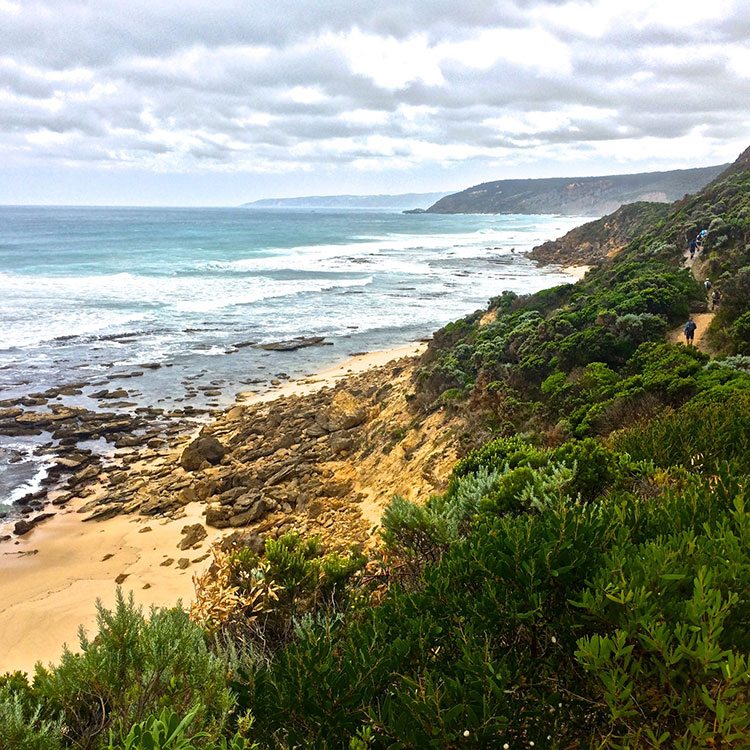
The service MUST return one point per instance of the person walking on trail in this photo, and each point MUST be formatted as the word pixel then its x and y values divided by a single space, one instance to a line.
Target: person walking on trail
pixel 692 247
pixel 715 299
pixel 707 284
pixel 690 327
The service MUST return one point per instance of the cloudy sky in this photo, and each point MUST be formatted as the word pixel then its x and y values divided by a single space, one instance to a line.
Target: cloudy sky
pixel 216 102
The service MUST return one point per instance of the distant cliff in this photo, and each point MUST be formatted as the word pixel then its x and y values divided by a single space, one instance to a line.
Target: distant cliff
pixel 396 202
pixel 576 196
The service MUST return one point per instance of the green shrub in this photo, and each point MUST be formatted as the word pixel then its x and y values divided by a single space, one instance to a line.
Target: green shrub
pixel 740 333
pixel 712 428
pixel 164 732
pixel 672 660
pixel 416 535
pixel 168 731
pixel 133 667
pixel 495 454
pixel 22 726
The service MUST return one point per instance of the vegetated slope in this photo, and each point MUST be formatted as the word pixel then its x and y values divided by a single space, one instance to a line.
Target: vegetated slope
pixel 575 196
pixel 582 582
pixel 605 237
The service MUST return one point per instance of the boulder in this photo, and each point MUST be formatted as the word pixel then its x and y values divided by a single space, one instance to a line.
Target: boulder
pixel 188 495
pixel 85 475
pixel 217 516
pixel 192 534
pixel 342 444
pixel 205 489
pixel 105 512
pixel 344 412
pixel 256 511
pixel 128 441
pixel 22 527
pixel 72 461
pixel 25 526
pixel 286 472
pixel 232 495
pixel 116 393
pixel 300 342
pixel 202 452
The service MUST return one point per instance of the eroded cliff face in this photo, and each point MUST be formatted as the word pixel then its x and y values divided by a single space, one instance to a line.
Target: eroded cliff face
pixel 603 238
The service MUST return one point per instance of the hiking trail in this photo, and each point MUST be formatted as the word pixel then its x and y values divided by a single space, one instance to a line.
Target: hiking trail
pixel 702 320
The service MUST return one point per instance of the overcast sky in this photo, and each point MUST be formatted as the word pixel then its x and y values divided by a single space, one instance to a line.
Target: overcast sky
pixel 217 102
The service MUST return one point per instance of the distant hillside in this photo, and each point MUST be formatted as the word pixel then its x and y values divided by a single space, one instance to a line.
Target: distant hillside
pixel 605 237
pixel 593 196
pixel 399 202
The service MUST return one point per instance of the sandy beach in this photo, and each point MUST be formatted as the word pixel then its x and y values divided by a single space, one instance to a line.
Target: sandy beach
pixel 577 272
pixel 52 577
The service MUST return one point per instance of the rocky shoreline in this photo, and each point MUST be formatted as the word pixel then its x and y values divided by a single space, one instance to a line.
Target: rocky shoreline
pixel 315 462
pixel 79 445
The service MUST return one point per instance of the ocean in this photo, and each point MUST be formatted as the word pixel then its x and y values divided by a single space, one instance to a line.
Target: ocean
pixel 88 296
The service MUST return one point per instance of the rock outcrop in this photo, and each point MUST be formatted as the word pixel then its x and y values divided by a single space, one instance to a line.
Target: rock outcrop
pixel 192 534
pixel 202 452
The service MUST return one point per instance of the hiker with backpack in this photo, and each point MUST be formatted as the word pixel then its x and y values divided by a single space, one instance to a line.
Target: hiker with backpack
pixel 690 327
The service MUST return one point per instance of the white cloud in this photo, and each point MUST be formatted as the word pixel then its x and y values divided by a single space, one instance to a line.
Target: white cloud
pixel 305 95
pixel 369 117
pixel 389 62
pixel 739 61
pixel 533 48
pixel 320 87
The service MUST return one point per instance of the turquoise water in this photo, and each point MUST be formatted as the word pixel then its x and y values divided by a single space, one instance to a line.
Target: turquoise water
pixel 88 294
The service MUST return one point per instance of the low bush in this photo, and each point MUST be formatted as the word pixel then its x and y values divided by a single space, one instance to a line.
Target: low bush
pixel 168 731
pixel 133 667
pixel 23 723
pixel 257 600
pixel 710 429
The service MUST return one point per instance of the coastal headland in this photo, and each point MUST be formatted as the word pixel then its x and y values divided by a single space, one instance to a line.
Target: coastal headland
pixel 322 455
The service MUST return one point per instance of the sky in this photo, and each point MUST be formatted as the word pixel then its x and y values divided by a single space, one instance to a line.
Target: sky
pixel 154 102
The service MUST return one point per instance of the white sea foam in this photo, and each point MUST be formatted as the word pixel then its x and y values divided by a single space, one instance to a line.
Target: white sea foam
pixel 32 485
pixel 315 257
pixel 78 306
pixel 51 323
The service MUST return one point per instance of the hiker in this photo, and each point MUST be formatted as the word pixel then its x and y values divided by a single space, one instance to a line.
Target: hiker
pixel 702 237
pixel 707 284
pixel 690 331
pixel 692 247
pixel 715 299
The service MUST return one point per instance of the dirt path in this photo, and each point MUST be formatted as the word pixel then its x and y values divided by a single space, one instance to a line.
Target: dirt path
pixel 703 321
